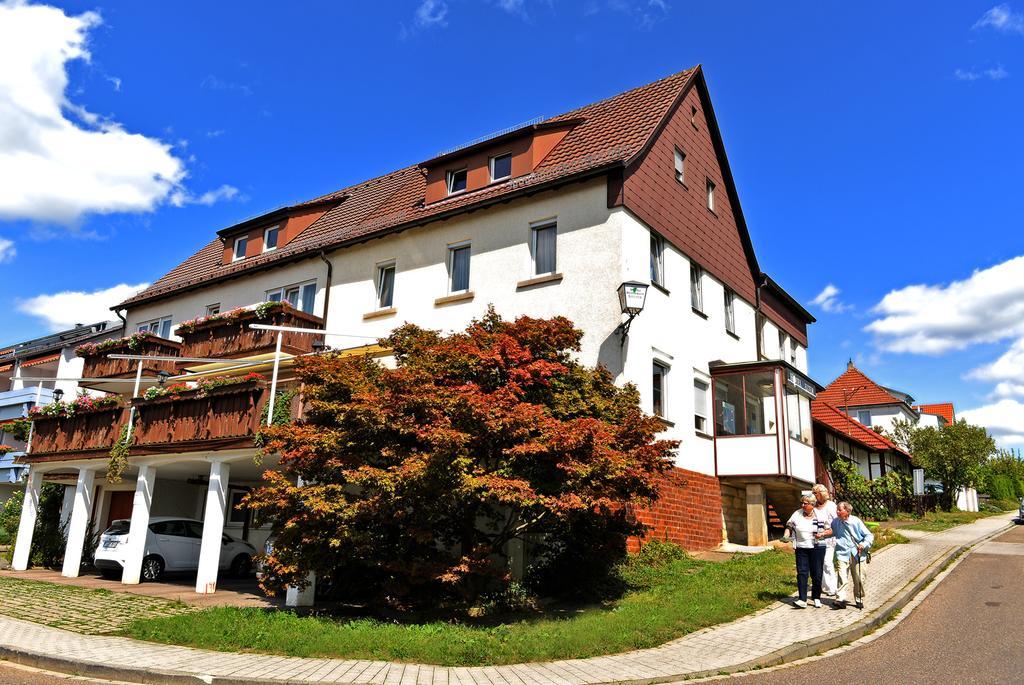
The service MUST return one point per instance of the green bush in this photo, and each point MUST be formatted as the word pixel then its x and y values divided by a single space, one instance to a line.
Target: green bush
pixel 1002 487
pixel 1001 505
pixel 48 540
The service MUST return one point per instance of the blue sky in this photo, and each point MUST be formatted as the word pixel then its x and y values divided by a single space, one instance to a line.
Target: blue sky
pixel 876 146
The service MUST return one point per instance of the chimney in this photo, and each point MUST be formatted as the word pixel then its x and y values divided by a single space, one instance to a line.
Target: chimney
pixel 849 365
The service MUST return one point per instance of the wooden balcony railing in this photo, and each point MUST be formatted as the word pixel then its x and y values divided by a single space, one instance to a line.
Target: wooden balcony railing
pixel 231 337
pixel 229 414
pixel 225 417
pixel 84 435
pixel 98 365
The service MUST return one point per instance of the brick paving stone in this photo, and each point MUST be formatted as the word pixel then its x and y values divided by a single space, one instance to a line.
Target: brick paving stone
pixel 89 618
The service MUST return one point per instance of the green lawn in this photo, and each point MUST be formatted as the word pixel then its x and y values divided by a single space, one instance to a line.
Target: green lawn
pixel 942 520
pixel 885 536
pixel 667 600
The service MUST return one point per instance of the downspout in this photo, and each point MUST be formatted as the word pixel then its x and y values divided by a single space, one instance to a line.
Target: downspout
pixel 758 319
pixel 124 321
pixel 327 287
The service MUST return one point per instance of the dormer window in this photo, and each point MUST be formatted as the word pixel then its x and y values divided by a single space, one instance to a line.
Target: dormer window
pixel 270 238
pixel 239 252
pixel 501 166
pixel 456 181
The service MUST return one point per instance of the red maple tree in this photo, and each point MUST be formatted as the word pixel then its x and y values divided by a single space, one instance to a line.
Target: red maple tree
pixel 413 483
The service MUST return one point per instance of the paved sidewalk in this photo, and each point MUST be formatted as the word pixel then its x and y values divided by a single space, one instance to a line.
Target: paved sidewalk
pixel 710 650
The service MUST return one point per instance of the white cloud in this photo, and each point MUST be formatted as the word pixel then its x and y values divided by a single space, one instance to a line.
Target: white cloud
pixel 431 13
pixel 1004 421
pixel 65 309
pixel 212 196
pixel 58 161
pixel 116 82
pixel 934 319
pixel 1003 19
pixel 828 300
pixel 512 6
pixel 7 250
pixel 997 73
pixel 1009 367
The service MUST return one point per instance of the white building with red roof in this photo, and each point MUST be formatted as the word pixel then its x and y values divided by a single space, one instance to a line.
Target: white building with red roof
pixel 545 219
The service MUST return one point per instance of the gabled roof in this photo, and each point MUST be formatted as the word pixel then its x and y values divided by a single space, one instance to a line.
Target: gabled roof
pixel 831 417
pixel 943 409
pixel 855 389
pixel 604 134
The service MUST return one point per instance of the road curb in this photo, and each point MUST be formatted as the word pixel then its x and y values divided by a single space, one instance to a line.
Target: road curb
pixel 793 652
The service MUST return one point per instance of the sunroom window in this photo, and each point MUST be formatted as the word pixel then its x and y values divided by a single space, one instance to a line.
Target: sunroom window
pixel 745 404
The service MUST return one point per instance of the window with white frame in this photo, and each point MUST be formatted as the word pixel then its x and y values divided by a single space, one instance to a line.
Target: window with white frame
pixel 270 238
pixel 500 166
pixel 730 311
pixel 782 345
pixel 696 287
pixel 385 285
pixel 160 327
pixel 240 244
pixel 456 181
pixel 302 296
pixel 657 259
pixel 700 405
pixel 792 350
pixel 212 309
pixel 711 194
pixel 545 245
pixel 658 388
pixel 680 165
pixel 864 416
pixel 458 268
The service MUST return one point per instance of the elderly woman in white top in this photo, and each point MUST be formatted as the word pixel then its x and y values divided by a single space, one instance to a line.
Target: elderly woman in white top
pixel 825 512
pixel 804 529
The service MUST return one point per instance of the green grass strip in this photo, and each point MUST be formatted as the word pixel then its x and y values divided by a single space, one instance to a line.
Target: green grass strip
pixel 670 600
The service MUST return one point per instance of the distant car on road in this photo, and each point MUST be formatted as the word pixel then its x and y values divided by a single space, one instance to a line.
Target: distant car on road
pixel 172 544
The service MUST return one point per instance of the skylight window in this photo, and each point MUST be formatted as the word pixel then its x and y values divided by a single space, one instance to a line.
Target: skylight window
pixel 240 244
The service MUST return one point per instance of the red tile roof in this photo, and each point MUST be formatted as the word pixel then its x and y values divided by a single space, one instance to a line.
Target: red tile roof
pixel 854 389
pixel 943 409
pixel 611 132
pixel 834 419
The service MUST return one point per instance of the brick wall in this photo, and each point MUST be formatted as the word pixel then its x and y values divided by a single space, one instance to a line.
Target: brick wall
pixel 688 512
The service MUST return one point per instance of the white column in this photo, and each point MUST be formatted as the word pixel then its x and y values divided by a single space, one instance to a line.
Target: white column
pixel 79 522
pixel 294 597
pixel 27 525
pixel 139 529
pixel 213 528
pixel 67 505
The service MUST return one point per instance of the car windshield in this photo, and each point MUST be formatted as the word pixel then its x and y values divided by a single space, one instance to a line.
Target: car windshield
pixel 118 528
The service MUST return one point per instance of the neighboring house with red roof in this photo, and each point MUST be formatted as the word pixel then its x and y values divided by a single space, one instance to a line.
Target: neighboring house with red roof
pixel 838 435
pixel 940 414
pixel 544 219
pixel 871 404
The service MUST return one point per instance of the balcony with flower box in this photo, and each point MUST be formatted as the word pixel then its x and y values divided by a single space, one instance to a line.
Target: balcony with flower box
pixel 85 428
pixel 218 413
pixel 229 335
pixel 99 365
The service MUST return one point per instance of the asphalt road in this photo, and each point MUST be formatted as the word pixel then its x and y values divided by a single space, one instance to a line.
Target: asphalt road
pixel 970 629
pixel 12 674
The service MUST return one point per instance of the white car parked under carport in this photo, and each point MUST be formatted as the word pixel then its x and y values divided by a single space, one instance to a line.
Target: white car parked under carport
pixel 172 544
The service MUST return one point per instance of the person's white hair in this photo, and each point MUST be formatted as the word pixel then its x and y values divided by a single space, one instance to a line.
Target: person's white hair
pixel 845 506
pixel 820 489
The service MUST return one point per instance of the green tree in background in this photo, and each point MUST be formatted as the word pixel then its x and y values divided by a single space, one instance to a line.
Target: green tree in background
pixel 956 454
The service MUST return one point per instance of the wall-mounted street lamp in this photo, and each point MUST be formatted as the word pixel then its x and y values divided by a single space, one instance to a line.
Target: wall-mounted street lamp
pixel 632 296
pixel 58 395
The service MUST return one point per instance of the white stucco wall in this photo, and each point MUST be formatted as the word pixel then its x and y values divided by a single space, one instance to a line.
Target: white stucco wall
pixel 884 415
pixel 771 350
pixel 239 292
pixel 597 249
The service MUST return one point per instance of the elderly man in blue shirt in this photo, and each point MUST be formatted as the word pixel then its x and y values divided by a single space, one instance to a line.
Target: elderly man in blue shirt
pixel 853 540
